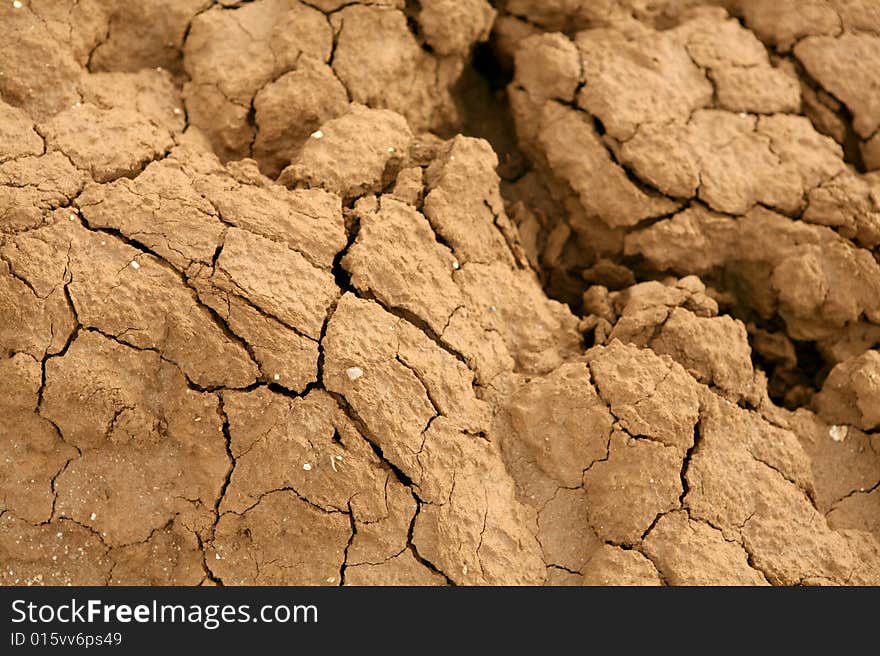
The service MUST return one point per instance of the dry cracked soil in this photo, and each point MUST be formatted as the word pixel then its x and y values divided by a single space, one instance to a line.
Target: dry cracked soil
pixel 440 292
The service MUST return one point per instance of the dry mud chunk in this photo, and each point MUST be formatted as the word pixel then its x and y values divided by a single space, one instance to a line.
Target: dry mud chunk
pixel 291 444
pixel 145 34
pixel 454 26
pixel 715 350
pixel 230 54
pixel 146 440
pixel 784 23
pixel 644 470
pixel 647 394
pixel 494 315
pixel 76 554
pixel 150 94
pixel 395 378
pixel 539 333
pixel 756 89
pixel 291 108
pixel 31 186
pixel 564 531
pixel 34 452
pixel 762 502
pixel 282 540
pixel 17 135
pixel 845 463
pixel 850 204
pixel 397 381
pixel 309 446
pixel 623 93
pixel 382 64
pixel 548 66
pixel 851 393
pixel 351 155
pixel 461 181
pixel 732 162
pixel 860 511
pixel 576 156
pixel 653 114
pixel 45 48
pixel 552 430
pixel 615 566
pixel 139 300
pixel 286 286
pixel 171 556
pixel 159 209
pixel 687 552
pixel 683 324
pixel 847 66
pixel 474 530
pixel 308 221
pixel 386 538
pixel 108 143
pixel 396 257
pixel 745 484
pixel 33 302
pixel 816 281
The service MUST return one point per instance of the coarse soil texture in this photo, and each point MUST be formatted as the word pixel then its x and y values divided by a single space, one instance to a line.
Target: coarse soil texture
pixel 440 292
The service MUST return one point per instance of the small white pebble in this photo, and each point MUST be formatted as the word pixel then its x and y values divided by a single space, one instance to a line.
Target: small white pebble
pixel 317 134
pixel 330 580
pixel 492 308
pixel 93 516
pixel 277 376
pixel 59 535
pixel 307 467
pixel 103 243
pixel 73 217
pixel 838 433
pixel 217 556
pixel 339 457
pixel 198 419
pixel 354 373
pixel 177 110
pixel 391 149
pixel 17 4
pixel 135 265
pixel 456 265
pixel 77 104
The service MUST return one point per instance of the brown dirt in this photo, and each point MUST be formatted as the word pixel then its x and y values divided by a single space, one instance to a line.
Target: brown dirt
pixel 269 315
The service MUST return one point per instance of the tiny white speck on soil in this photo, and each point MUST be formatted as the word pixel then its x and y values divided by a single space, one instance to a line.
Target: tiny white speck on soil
pixel 354 373
pixel 135 265
pixel 838 433
pixel 307 467
pixel 317 134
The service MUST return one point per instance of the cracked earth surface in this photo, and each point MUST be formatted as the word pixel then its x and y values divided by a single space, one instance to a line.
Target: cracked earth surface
pixel 269 315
